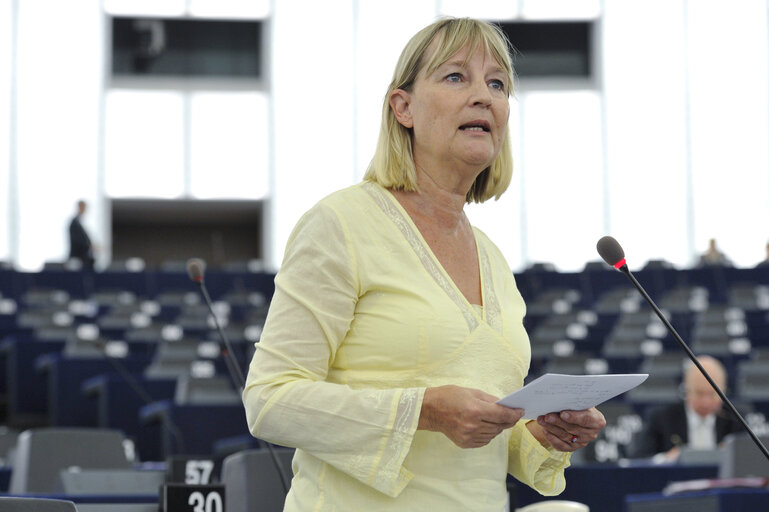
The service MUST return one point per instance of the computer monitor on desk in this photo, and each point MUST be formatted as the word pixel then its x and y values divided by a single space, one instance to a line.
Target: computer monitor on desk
pixel 742 458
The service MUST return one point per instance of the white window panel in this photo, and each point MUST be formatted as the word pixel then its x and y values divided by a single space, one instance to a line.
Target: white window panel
pixel 144 144
pixel 562 170
pixel 730 126
pixel 483 9
pixel 231 9
pixel 229 145
pixel 57 125
pixel 560 9
pixel 646 131
pixel 313 105
pixel 145 7
pixel 5 126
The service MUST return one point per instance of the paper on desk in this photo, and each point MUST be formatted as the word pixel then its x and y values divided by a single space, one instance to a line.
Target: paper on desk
pixel 553 392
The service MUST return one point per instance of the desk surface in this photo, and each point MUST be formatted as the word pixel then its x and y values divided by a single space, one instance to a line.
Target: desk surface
pixel 713 500
pixel 604 487
pixel 94 498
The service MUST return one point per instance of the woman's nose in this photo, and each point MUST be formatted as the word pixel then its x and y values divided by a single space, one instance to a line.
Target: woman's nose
pixel 480 93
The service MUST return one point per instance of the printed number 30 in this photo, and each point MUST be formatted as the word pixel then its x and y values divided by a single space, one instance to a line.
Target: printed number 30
pixel 212 502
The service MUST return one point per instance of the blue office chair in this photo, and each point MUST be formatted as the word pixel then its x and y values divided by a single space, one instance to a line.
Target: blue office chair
pixel 42 453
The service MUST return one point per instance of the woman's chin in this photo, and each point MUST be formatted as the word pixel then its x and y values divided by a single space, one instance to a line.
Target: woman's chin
pixel 480 161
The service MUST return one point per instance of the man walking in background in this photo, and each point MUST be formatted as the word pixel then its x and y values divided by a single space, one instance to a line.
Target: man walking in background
pixel 80 246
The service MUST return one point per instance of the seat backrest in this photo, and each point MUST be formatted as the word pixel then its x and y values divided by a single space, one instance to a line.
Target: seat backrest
pixel 8 438
pixel 35 505
pixel 742 458
pixel 123 482
pixel 172 359
pixel 655 389
pixel 252 482
pixel 694 456
pixel 205 390
pixel 574 364
pixel 668 363
pixel 167 370
pixel 41 454
pixel 751 368
pixel 172 351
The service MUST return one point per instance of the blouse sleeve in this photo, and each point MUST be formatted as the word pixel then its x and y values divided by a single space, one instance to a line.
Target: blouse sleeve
pixel 536 466
pixel 365 433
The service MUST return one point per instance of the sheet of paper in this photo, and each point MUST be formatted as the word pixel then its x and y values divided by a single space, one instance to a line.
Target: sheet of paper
pixel 553 392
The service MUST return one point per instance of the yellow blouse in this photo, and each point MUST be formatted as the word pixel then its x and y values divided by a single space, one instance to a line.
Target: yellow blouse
pixel 363 319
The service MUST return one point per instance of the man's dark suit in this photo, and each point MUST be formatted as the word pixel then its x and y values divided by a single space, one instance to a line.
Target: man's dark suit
pixel 666 427
pixel 80 243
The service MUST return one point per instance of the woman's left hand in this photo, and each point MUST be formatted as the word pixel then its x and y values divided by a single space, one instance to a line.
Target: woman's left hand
pixel 568 431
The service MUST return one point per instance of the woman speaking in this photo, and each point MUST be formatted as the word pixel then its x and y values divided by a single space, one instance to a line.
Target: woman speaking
pixel 396 325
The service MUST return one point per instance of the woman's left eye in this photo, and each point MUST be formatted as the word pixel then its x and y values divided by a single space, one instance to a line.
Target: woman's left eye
pixel 497 84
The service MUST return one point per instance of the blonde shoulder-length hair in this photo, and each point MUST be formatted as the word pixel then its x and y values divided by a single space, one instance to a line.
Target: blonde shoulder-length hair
pixel 393 163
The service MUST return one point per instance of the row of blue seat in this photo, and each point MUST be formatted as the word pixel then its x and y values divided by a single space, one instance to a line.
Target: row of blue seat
pixel 598 279
pixel 86 392
pixel 148 283
pixel 591 283
pixel 44 384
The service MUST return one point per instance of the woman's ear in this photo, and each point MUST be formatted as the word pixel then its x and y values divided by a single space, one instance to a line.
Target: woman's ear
pixel 400 102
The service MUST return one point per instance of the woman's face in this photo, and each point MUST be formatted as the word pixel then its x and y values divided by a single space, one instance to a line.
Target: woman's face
pixel 458 113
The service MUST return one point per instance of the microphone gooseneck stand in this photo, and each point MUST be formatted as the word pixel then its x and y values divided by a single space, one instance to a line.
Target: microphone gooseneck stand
pixel 195 270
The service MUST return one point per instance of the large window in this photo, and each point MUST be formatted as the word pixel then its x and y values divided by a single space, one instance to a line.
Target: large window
pixel 7 119
pixel 145 144
pixel 563 176
pixel 229 145
pixel 663 143
pixel 729 123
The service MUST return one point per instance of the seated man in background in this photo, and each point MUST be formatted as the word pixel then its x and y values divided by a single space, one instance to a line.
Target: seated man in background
pixel 713 256
pixel 698 422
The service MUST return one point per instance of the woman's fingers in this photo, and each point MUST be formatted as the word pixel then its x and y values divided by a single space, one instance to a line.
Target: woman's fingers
pixel 571 430
pixel 469 417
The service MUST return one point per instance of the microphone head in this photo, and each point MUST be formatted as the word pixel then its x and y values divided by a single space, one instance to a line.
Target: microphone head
pixel 195 269
pixel 611 252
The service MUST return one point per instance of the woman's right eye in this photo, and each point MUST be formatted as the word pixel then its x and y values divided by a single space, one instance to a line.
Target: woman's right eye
pixel 454 77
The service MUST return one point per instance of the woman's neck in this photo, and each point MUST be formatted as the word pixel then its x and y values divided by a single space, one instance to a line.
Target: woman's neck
pixel 442 200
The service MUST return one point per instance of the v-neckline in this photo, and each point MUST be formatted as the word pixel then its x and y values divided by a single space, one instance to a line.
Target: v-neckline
pixel 394 199
pixel 453 290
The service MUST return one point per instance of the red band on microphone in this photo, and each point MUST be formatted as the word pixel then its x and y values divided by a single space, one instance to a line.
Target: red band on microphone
pixel 620 263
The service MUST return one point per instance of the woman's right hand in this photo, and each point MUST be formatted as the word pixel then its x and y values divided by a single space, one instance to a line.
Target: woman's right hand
pixel 469 417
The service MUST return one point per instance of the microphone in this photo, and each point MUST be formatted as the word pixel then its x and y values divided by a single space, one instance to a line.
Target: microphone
pixel 196 270
pixel 612 254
